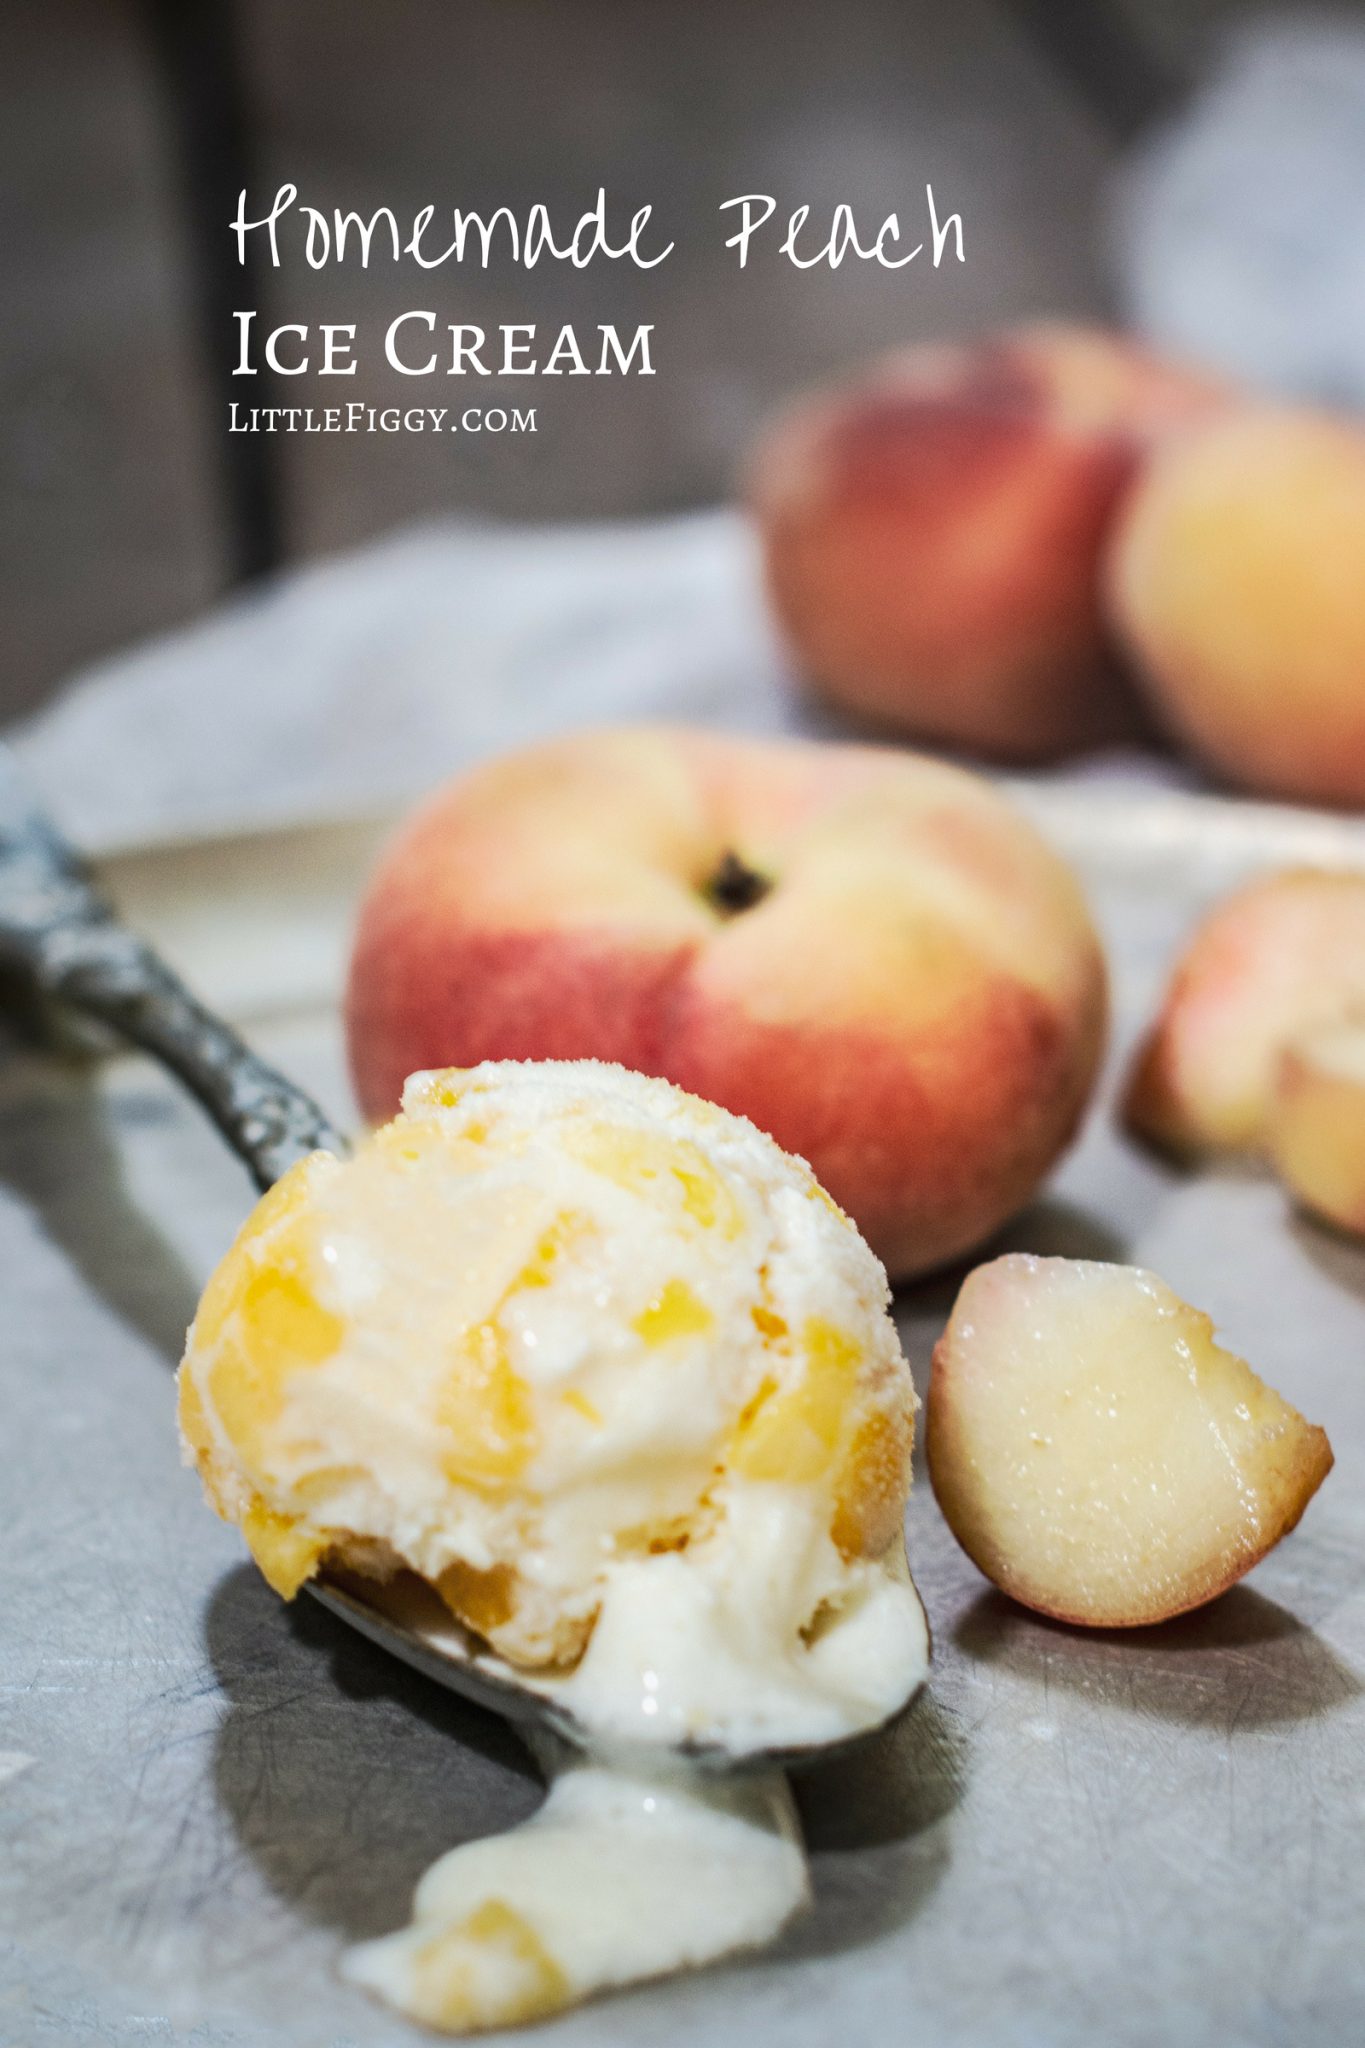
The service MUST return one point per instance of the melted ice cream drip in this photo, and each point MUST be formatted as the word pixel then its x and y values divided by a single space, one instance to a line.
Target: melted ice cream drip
pixel 624 1873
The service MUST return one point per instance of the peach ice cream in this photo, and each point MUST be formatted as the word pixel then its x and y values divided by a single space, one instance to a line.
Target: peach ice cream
pixel 608 1371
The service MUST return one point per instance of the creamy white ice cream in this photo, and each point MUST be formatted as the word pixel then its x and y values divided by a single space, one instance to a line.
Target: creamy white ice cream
pixel 608 1370
pixel 620 1875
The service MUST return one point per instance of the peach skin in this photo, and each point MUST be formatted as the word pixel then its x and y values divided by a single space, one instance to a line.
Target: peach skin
pixel 932 534
pixel 1317 1122
pixel 868 954
pixel 1097 1454
pixel 1281 954
pixel 1235 580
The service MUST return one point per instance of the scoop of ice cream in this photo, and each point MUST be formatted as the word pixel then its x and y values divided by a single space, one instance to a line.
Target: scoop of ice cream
pixel 600 1363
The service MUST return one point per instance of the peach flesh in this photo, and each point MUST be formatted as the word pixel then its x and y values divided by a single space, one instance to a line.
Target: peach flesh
pixel 1281 954
pixel 1317 1123
pixel 1097 1454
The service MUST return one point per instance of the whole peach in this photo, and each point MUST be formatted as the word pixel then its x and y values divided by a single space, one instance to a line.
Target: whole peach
pixel 1237 580
pixel 869 954
pixel 932 534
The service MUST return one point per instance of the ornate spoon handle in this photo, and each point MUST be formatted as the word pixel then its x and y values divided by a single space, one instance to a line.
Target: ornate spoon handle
pixel 58 933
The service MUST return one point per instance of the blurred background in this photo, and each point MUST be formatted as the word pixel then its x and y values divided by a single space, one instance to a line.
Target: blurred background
pixel 1174 162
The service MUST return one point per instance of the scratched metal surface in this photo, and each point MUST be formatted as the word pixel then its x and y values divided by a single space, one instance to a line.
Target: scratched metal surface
pixel 1073 1840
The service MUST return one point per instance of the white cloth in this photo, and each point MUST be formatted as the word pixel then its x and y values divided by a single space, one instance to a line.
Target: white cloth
pixel 347 687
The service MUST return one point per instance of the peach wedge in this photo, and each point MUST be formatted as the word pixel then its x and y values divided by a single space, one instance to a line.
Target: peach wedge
pixel 1097 1454
pixel 1279 956
pixel 1317 1123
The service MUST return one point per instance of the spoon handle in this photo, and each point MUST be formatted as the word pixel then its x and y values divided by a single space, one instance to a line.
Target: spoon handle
pixel 63 939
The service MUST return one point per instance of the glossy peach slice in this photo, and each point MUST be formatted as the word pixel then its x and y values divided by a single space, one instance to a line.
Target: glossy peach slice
pixel 1097 1453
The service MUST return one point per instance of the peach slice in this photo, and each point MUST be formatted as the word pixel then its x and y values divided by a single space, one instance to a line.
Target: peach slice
pixel 1097 1454
pixel 1317 1122
pixel 1277 957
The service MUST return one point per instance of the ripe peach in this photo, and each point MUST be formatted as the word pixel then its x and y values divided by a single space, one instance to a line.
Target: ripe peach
pixel 1317 1122
pixel 867 953
pixel 933 533
pixel 1279 955
pixel 1097 1454
pixel 1236 580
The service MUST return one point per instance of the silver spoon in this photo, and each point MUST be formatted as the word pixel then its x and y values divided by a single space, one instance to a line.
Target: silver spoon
pixel 61 940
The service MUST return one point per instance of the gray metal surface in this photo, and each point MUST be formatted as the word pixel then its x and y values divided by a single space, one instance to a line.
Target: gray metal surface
pixel 1072 1839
